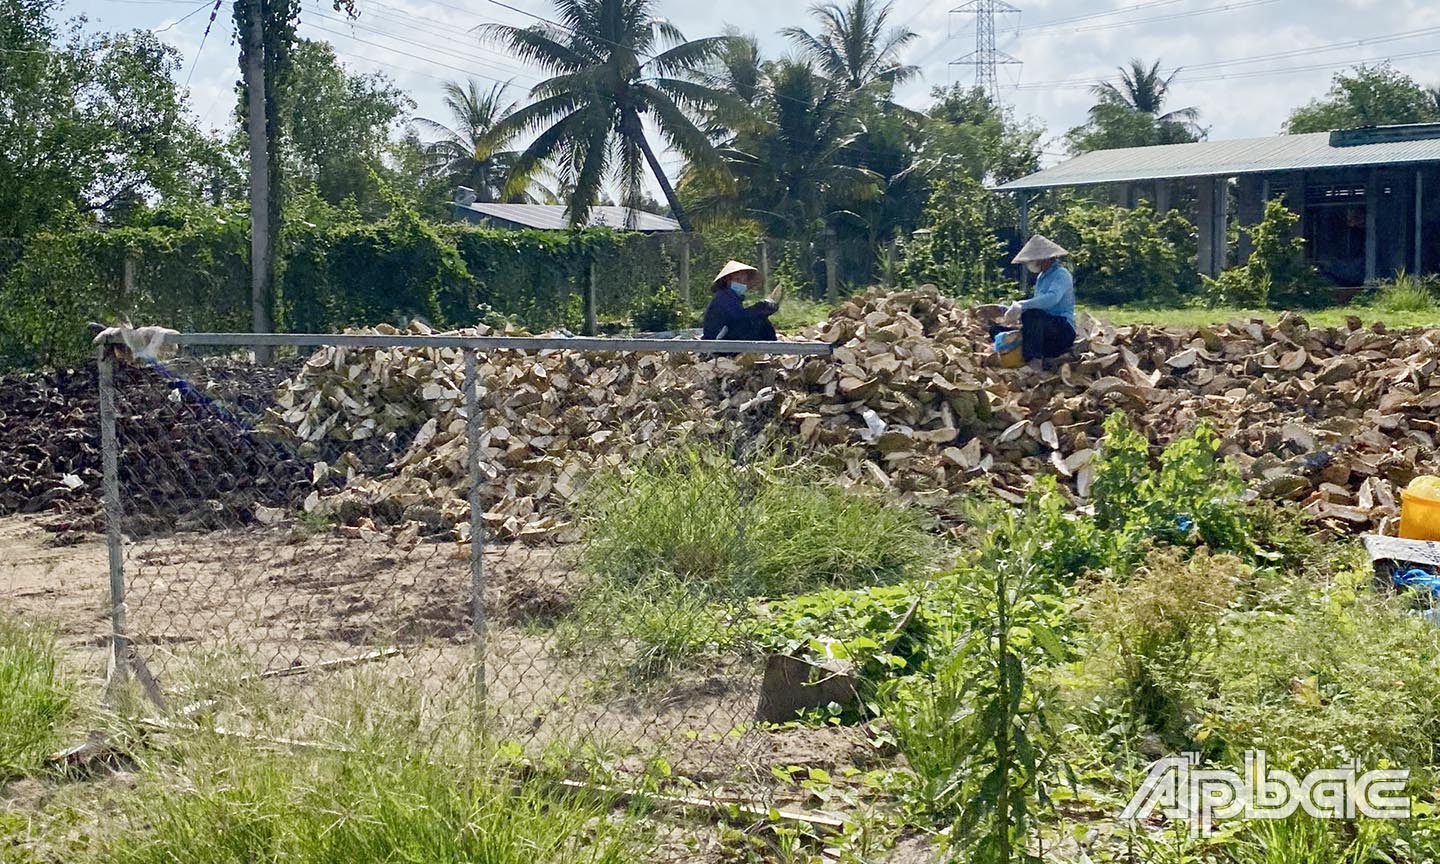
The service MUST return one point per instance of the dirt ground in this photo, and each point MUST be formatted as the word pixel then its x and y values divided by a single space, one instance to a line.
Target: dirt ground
pixel 233 623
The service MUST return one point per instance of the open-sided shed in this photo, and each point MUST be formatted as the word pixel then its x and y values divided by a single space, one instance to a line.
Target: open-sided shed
pixel 1369 199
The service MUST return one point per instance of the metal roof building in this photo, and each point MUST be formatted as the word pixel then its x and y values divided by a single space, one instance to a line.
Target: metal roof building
pixel 551 217
pixel 1361 193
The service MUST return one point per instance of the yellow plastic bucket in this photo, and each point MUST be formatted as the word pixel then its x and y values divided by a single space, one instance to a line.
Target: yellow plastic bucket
pixel 1008 347
pixel 1420 509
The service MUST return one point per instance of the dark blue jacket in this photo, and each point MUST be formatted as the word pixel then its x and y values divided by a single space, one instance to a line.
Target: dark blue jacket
pixel 726 313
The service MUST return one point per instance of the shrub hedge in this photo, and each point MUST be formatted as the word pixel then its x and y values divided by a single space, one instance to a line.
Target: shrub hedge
pixel 195 276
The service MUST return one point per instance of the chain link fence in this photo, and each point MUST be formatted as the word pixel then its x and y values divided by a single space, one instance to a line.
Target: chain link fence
pixel 455 539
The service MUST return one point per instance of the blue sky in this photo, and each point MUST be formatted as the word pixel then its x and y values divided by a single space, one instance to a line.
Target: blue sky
pixel 1063 45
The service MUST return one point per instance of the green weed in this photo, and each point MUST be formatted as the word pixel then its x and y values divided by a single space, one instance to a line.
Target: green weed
pixel 1303 839
pixel 661 622
pixel 1159 625
pixel 1406 293
pixel 979 737
pixel 226 804
pixel 735 530
pixel 35 700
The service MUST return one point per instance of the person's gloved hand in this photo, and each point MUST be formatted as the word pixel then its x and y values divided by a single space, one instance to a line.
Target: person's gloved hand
pixel 1012 313
pixel 767 306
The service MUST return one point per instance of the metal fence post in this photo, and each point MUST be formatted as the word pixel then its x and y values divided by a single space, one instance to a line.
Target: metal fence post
pixel 477 522
pixel 110 456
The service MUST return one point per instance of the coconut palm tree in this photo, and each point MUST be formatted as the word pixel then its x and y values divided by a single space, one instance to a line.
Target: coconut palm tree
pixel 796 170
pixel 606 81
pixel 468 151
pixel 1143 90
pixel 855 45
pixel 737 68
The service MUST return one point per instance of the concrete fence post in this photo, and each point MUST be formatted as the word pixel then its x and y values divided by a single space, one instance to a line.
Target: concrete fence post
pixel 114 541
pixel 473 428
pixel 832 267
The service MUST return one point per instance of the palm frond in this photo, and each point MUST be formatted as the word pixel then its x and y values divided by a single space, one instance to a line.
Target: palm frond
pixel 536 114
pixel 687 57
pixel 678 130
pixel 541 45
pixel 591 158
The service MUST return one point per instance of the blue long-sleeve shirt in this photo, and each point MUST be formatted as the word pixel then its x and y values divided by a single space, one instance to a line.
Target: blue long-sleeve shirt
pixel 1054 293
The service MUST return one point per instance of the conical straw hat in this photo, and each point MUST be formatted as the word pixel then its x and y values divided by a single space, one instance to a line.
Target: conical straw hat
pixel 1039 249
pixel 730 270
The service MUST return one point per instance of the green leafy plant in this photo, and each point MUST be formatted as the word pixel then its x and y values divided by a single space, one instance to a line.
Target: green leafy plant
pixel 957 249
pixel 660 312
pixel 885 630
pixel 1276 273
pixel 980 738
pixel 1190 497
pixel 1122 255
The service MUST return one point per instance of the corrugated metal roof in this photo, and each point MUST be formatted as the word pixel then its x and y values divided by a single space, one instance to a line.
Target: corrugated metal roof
pixel 1224 159
pixel 552 217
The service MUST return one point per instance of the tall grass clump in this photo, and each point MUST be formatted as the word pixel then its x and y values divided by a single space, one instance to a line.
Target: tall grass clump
pixel 228 803
pixel 728 530
pixel 35 700
pixel 1407 293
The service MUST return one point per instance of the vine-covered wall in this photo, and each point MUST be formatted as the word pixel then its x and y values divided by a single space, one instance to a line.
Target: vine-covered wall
pixel 196 277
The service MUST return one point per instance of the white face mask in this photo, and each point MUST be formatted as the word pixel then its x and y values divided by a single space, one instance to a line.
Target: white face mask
pixel 1032 266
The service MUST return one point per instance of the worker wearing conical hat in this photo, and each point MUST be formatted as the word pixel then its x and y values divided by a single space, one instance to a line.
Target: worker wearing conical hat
pixel 727 316
pixel 1047 319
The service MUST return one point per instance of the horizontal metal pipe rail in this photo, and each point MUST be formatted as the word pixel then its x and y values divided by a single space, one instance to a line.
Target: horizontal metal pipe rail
pixel 496 343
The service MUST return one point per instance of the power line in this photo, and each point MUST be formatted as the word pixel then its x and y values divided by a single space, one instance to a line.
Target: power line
pixel 1123 10
pixel 1091 80
pixel 430 46
pixel 1262 73
pixel 1193 13
pixel 196 60
pixel 464 71
pixel 187 16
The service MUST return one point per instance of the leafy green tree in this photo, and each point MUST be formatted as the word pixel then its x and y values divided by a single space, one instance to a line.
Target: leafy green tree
pixel 91 126
pixel 339 126
pixel 1367 96
pixel 958 249
pixel 963 126
pixel 469 152
pixel 605 82
pixel 1133 113
pixel 856 47
pixel 967 142
pixel 738 70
